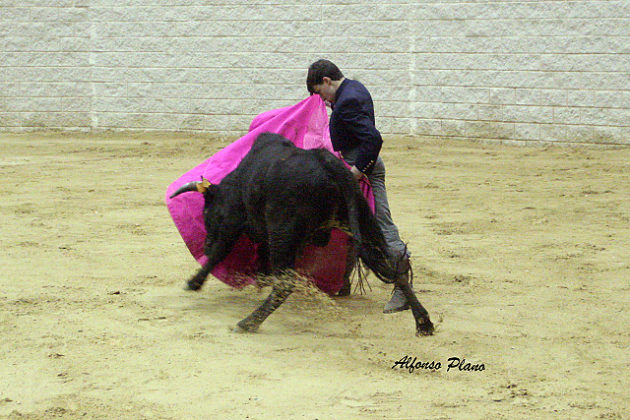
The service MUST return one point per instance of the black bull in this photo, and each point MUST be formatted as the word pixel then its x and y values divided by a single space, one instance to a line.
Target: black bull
pixel 283 197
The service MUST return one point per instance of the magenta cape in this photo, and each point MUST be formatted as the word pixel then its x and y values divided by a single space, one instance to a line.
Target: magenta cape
pixel 306 125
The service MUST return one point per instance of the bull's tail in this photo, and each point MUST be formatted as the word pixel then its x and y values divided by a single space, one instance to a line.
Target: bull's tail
pixel 370 241
pixel 368 236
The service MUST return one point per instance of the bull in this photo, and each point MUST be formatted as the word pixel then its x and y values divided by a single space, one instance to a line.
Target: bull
pixel 283 198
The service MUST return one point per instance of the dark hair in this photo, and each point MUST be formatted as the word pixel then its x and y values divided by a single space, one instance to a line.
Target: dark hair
pixel 320 69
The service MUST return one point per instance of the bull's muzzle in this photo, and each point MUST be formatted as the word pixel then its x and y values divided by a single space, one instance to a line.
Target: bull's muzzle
pixel 198 186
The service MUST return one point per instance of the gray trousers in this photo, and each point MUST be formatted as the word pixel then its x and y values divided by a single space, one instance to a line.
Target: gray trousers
pixel 381 205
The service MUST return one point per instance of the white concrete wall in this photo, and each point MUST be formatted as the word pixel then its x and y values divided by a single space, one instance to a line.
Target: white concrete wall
pixel 549 70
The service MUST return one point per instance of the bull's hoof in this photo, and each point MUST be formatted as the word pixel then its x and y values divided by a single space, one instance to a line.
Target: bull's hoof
pixel 245 327
pixel 426 328
pixel 192 285
pixel 239 330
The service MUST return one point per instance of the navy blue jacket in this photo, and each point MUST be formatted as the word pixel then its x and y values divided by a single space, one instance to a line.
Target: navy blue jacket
pixel 352 124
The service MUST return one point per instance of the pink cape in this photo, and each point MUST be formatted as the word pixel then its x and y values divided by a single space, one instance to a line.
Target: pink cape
pixel 306 125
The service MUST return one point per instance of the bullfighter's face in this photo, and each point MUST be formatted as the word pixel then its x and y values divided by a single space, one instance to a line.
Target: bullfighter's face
pixel 326 90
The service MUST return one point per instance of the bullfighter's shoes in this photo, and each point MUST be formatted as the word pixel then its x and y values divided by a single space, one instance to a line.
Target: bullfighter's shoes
pixel 397 303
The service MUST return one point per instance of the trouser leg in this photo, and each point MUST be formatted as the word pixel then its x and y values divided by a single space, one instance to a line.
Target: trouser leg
pixel 382 212
pixel 381 205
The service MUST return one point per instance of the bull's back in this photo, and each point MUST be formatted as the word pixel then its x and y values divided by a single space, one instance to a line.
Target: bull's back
pixel 275 159
pixel 277 169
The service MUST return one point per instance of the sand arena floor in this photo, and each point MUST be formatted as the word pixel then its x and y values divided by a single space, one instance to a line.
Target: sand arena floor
pixel 521 255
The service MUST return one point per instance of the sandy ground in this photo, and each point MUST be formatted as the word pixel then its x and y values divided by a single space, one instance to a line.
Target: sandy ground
pixel 521 255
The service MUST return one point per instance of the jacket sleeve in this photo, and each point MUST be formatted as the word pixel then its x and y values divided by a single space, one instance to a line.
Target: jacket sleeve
pixel 359 125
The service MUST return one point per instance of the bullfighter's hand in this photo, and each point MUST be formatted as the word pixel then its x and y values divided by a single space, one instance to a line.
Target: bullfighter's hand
pixel 357 173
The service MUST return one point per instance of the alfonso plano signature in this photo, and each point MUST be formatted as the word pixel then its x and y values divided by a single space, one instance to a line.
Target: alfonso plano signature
pixel 455 363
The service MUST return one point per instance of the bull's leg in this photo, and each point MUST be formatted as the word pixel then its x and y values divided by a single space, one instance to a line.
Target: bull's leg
pixel 216 252
pixel 424 326
pixel 276 298
pixel 282 250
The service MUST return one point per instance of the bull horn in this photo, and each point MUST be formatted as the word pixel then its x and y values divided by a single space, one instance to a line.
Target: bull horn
pixel 199 186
